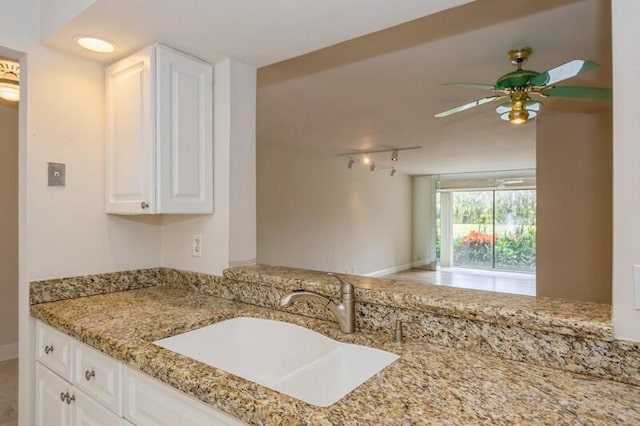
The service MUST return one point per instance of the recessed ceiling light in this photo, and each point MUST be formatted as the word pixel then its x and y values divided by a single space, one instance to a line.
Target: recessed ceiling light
pixel 95 44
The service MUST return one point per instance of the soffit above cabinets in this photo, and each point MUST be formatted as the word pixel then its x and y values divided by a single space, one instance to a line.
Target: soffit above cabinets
pixel 254 32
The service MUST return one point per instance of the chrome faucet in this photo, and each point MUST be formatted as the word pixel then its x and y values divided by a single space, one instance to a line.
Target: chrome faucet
pixel 344 312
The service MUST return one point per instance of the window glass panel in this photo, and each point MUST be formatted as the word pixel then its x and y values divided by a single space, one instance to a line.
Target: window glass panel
pixel 516 230
pixel 473 229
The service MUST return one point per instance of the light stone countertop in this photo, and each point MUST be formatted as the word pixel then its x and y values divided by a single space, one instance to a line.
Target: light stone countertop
pixel 576 318
pixel 429 384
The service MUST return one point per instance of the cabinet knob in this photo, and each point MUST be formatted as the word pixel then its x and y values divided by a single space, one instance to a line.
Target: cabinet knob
pixel 70 398
pixel 65 397
pixel 89 374
pixel 48 349
pixel 144 205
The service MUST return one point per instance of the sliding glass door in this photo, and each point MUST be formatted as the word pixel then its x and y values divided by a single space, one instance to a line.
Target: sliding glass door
pixel 473 229
pixel 515 230
pixel 493 229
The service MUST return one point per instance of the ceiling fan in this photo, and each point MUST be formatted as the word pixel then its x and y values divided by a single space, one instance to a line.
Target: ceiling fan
pixel 520 84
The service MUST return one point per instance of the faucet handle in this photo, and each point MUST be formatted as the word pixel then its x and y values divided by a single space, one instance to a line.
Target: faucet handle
pixel 345 286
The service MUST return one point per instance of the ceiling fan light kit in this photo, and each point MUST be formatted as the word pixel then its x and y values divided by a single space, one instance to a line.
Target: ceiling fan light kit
pixel 519 84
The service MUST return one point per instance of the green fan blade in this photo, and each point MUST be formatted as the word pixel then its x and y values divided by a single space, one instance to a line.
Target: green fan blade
pixel 600 93
pixel 473 104
pixel 472 85
pixel 563 72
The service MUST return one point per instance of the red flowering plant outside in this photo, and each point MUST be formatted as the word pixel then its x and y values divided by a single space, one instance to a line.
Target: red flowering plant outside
pixel 474 247
pixel 478 238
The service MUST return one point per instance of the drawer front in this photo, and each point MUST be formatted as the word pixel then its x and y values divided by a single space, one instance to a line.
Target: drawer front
pixel 87 412
pixel 99 376
pixel 149 402
pixel 54 349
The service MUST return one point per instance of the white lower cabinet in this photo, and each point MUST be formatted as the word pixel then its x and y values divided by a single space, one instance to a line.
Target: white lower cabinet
pixel 150 402
pixel 58 403
pixel 87 412
pixel 96 390
pixel 99 376
pixel 51 406
pixel 53 349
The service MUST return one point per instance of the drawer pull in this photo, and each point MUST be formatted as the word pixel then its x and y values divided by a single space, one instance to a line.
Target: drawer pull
pixel 63 396
pixel 48 349
pixel 89 374
pixel 70 398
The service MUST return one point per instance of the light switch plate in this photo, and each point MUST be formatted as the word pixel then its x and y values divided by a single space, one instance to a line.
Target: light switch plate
pixel 636 285
pixel 56 174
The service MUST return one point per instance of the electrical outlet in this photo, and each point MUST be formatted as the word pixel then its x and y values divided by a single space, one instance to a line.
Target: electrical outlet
pixel 197 246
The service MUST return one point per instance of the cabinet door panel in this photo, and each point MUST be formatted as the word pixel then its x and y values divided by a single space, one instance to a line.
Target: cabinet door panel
pixel 152 403
pixel 184 102
pixel 130 165
pixel 87 412
pixel 51 409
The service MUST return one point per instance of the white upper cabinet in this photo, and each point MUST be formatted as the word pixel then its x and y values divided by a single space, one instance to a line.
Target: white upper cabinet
pixel 159 142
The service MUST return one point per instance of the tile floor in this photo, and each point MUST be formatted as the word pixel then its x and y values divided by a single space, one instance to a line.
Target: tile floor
pixel 502 282
pixel 9 392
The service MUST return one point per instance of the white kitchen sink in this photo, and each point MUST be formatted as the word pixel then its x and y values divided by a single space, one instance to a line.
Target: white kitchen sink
pixel 284 357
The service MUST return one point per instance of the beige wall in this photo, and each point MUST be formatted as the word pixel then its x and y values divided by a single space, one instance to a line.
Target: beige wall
pixel 626 175
pixel 9 231
pixel 314 213
pixel 66 125
pixel 64 231
pixel 574 215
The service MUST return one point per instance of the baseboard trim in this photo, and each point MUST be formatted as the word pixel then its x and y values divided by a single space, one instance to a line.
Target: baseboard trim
pixel 388 271
pixel 419 263
pixel 9 351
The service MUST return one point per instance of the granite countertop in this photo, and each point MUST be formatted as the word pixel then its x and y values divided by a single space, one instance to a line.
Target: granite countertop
pixel 577 318
pixel 429 384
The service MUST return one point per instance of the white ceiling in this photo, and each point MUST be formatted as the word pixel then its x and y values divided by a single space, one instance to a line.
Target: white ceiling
pixel 383 89
pixel 252 31
pixel 374 90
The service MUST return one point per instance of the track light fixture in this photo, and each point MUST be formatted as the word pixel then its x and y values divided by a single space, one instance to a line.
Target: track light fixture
pixel 368 159
pixel 367 152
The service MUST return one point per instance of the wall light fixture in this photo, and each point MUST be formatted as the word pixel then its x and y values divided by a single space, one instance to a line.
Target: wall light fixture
pixel 9 80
